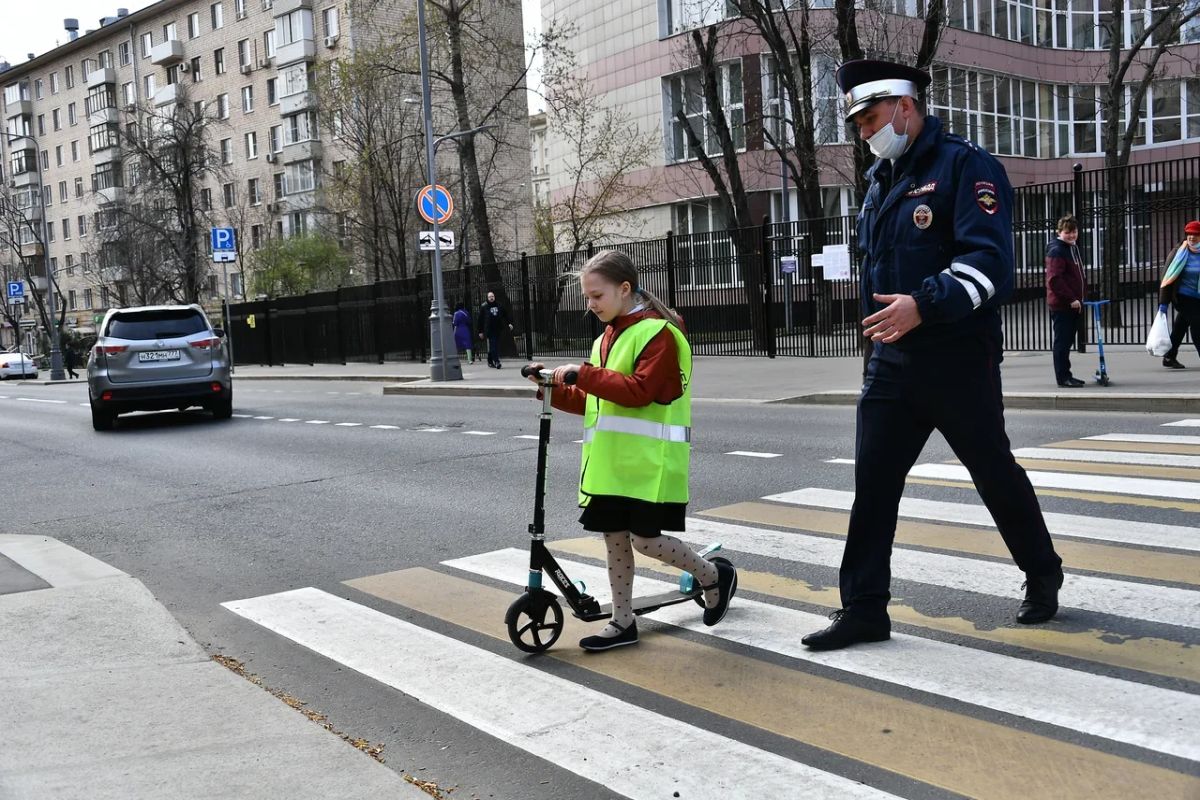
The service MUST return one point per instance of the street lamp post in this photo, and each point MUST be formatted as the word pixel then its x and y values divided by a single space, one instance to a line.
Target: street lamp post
pixel 443 355
pixel 56 362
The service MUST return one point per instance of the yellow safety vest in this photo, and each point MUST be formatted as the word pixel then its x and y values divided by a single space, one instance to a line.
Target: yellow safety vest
pixel 641 453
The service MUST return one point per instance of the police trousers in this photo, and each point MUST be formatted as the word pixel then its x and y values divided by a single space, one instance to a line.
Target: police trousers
pixel 906 396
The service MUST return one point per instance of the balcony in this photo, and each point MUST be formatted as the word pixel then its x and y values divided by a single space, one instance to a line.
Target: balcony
pixel 167 54
pixel 31 250
pixel 167 95
pixel 295 103
pixel 103 75
pixel 20 108
pixel 301 151
pixel 300 50
pixel 21 180
pixel 109 154
pixel 104 115
pixel 285 7
pixel 113 194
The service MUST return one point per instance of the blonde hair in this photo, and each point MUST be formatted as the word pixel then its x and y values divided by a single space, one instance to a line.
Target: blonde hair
pixel 617 268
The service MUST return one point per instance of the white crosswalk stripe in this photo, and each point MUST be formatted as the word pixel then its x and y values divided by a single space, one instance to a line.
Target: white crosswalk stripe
pixel 572 725
pixel 1149 487
pixel 1143 438
pixel 1108 457
pixel 1183 423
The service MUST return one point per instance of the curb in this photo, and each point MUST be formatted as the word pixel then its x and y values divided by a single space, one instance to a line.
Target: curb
pixel 375 378
pixel 1148 403
pixel 458 390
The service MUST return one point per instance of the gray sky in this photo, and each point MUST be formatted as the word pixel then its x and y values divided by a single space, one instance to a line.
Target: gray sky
pixel 39 29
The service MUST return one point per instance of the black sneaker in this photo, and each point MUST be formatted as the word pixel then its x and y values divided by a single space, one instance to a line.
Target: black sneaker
pixel 1071 383
pixel 1041 598
pixel 847 629
pixel 595 644
pixel 726 587
pixel 1172 363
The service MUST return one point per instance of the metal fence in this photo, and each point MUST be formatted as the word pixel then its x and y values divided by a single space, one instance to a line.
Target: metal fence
pixel 731 290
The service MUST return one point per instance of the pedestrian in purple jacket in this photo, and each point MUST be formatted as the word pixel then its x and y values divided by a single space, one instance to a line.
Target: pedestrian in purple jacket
pixel 462 332
pixel 1065 290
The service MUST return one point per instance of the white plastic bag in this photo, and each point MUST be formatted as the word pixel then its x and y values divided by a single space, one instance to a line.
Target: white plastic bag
pixel 1159 340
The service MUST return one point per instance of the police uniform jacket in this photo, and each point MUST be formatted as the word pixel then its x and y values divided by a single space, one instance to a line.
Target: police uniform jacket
pixel 937 224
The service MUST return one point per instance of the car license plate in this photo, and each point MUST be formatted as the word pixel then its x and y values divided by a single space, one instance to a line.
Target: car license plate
pixel 159 355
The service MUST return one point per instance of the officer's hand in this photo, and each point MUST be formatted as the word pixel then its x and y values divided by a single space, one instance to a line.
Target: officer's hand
pixel 533 370
pixel 893 322
pixel 1075 304
pixel 561 372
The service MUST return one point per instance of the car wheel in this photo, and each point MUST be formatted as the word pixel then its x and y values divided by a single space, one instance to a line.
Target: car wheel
pixel 223 409
pixel 102 420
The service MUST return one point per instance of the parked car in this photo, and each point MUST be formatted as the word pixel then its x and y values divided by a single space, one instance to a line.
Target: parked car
pixel 17 365
pixel 156 357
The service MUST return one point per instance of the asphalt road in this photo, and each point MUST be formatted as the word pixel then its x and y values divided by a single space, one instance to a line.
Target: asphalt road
pixel 316 483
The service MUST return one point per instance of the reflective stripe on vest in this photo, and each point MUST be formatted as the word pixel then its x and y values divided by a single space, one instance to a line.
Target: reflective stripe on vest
pixel 640 427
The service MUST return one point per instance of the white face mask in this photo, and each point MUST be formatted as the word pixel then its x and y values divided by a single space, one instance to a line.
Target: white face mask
pixel 886 143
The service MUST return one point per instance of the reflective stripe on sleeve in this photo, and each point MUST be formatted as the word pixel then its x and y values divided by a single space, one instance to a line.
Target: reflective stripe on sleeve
pixel 970 288
pixel 960 269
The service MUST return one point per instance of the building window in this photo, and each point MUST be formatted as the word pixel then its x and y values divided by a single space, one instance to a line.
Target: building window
pixel 252 191
pixel 45 159
pixel 295 79
pixel 58 155
pixel 239 8
pixel 72 119
pixel 703 245
pixel 128 94
pixel 75 150
pixel 150 85
pixel 100 98
pixel 300 128
pixel 87 298
pixel 71 304
pixel 79 193
pixel 124 53
pixel 196 69
pixel 683 15
pixel 106 176
pixel 272 99
pixel 295 27
pixel 251 145
pixel 169 32
pixel 53 83
pixel 69 76
pixel 256 236
pixel 62 191
pixel 228 192
pixel 50 230
pixel 147 43
pixel 81 220
pixel 300 177
pixel 243 48
pixel 105 58
pixel 227 151
pixel 269 43
pixel 222 106
pixel 66 225
pixel 104 301
pixel 38 91
pixel 247 99
pixel 69 263
pixel 329 20
pixel 206 199
pixel 274 139
pixel 278 185
pixel 193 24
pixel 56 119
pixel 298 223
pixel 685 92
pixel 219 61
pixel 217 14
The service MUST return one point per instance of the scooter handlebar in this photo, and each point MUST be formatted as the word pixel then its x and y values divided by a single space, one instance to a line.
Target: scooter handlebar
pixel 548 374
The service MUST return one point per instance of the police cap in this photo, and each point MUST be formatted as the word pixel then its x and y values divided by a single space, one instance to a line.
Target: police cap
pixel 866 82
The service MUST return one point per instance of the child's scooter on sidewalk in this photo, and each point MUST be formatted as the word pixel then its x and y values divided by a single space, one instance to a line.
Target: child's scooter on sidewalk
pixel 1101 373
pixel 535 619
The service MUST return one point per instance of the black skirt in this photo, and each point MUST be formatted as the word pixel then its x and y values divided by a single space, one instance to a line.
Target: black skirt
pixel 609 513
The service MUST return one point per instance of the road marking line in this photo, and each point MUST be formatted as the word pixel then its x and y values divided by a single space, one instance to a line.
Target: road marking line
pixel 1163 720
pixel 264 418
pixel 316 422
pixel 1101 528
pixel 839 461
pixel 1098 468
pixel 386 427
pixel 347 424
pixel 1184 423
pixel 479 433
pixel 352 394
pixel 1146 487
pixel 525 436
pixel 1108 457
pixel 428 430
pixel 1091 497
pixel 1146 438
pixel 288 419
pixel 1163 604
pixel 85 405
pixel 333 393
pixel 976 758
pixel 1173 567
pixel 242 416
pixel 752 454
pixel 574 724
pixel 40 400
pixel 1151 654
pixel 1128 447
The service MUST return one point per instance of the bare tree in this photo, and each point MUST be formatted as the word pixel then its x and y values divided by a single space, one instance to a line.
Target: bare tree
pixel 21 238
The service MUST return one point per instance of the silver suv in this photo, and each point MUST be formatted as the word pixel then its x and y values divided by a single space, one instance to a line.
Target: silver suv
pixel 157 357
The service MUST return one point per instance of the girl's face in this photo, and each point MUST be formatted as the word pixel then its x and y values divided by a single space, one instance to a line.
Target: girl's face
pixel 605 299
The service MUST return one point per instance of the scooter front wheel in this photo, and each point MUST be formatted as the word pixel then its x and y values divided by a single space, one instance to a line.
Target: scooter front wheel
pixel 534 620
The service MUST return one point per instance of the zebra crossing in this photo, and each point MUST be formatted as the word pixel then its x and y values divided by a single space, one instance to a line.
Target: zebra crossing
pixel 1104 702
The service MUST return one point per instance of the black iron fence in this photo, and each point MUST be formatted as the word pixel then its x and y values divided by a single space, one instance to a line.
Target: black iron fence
pixel 777 289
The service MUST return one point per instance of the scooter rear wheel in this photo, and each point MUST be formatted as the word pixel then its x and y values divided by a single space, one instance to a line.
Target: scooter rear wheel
pixel 534 620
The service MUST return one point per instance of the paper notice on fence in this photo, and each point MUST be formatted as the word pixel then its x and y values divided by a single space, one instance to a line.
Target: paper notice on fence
pixel 836 260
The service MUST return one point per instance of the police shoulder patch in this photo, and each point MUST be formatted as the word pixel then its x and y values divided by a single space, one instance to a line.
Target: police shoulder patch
pixel 986 197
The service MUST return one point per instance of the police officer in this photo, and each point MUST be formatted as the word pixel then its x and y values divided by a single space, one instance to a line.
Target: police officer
pixel 935 234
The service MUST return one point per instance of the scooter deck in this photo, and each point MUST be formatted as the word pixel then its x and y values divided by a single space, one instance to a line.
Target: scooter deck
pixel 644 605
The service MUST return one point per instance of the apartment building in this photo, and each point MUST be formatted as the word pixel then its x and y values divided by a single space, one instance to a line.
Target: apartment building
pixel 251 64
pixel 1019 77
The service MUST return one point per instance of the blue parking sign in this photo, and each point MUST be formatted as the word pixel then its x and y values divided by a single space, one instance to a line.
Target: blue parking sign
pixel 16 289
pixel 223 239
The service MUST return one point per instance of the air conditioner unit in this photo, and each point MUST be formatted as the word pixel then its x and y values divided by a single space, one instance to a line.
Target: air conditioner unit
pixel 262 63
pixel 270 157
pixel 247 69
pixel 331 41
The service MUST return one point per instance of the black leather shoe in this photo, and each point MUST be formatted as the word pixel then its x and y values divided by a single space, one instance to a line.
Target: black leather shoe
pixel 848 629
pixel 1172 363
pixel 1071 383
pixel 598 643
pixel 726 588
pixel 1041 598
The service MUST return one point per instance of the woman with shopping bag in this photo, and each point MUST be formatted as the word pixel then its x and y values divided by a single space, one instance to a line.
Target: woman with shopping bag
pixel 1181 286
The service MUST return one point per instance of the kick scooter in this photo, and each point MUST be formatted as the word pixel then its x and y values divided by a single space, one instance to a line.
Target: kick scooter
pixel 1102 373
pixel 535 619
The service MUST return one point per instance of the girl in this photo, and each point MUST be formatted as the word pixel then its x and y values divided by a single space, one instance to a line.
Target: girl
pixel 636 402
pixel 462 331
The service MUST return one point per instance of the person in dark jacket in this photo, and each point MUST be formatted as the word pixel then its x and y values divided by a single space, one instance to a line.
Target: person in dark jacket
pixel 935 234
pixel 492 318
pixel 70 359
pixel 1065 290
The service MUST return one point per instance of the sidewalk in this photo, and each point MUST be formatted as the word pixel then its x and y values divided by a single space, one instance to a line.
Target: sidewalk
pixel 107 696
